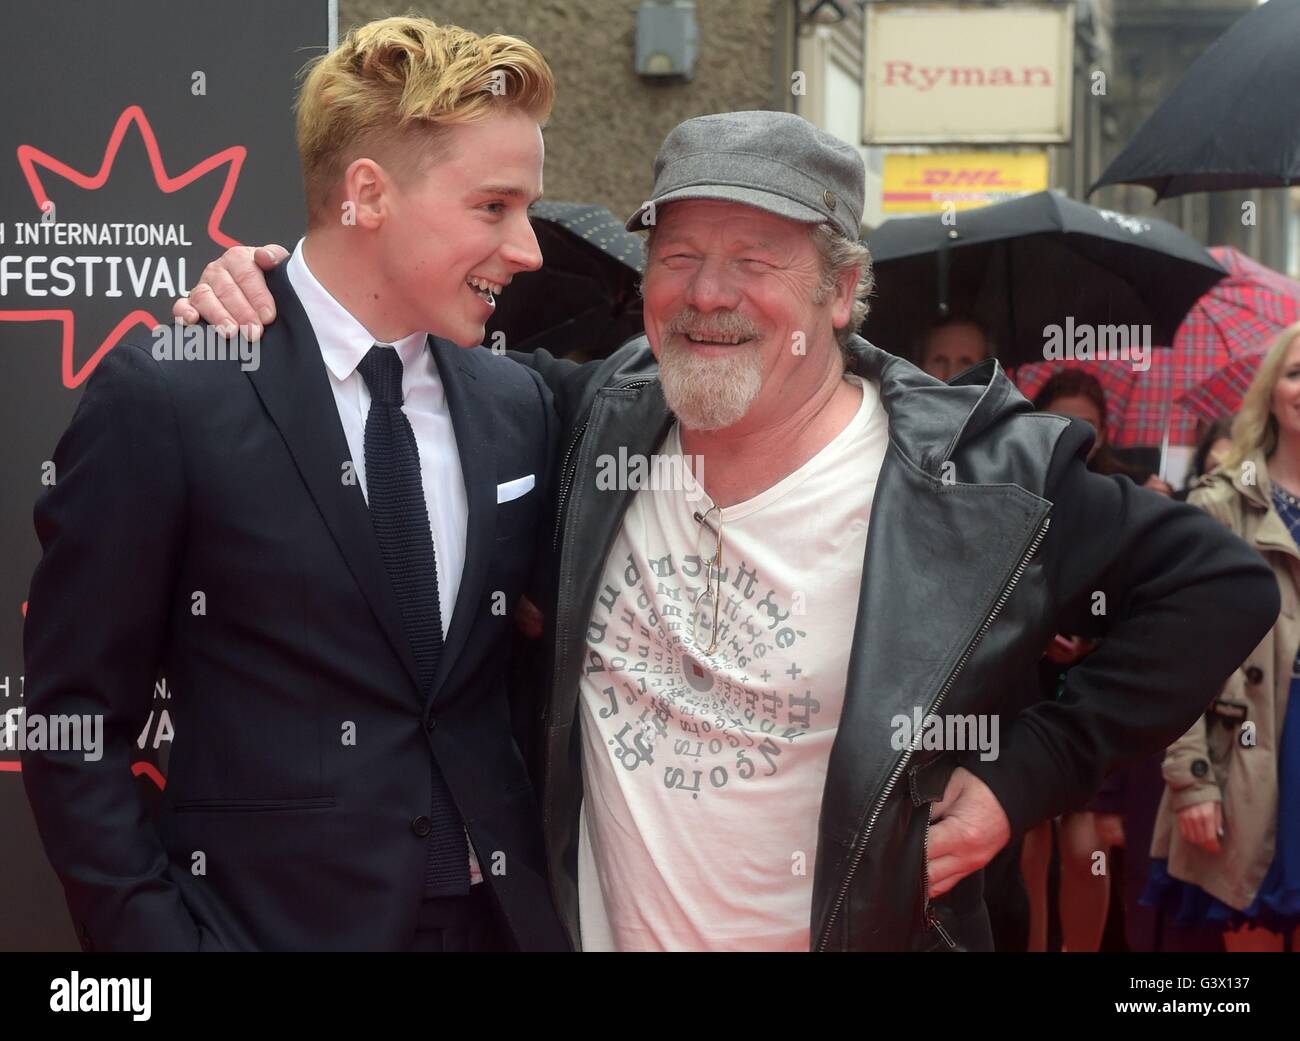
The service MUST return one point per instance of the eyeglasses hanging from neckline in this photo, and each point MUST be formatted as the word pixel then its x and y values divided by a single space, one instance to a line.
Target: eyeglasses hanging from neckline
pixel 712 568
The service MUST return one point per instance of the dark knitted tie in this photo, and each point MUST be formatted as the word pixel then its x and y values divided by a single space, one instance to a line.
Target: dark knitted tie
pixel 401 519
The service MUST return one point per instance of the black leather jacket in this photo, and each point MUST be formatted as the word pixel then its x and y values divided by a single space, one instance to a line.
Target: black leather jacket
pixel 987 536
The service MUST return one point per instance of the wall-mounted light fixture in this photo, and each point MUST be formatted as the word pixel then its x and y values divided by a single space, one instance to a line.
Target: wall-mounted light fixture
pixel 667 38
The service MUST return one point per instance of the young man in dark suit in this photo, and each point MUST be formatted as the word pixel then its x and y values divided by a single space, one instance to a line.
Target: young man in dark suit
pixel 321 547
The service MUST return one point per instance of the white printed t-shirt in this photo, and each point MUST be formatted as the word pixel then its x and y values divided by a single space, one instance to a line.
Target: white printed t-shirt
pixel 703 773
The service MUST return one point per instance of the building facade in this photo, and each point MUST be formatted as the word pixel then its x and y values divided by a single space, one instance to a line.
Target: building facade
pixel 806 56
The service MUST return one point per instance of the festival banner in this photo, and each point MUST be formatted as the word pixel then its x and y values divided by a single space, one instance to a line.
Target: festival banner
pixel 163 134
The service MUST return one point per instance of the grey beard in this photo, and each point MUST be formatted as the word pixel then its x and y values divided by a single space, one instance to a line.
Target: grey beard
pixel 709 393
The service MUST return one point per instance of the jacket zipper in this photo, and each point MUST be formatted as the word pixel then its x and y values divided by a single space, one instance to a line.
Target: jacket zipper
pixel 566 481
pixel 907 755
pixel 566 475
pixel 931 920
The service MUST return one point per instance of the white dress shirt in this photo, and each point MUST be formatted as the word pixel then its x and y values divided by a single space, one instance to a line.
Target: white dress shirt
pixel 343 343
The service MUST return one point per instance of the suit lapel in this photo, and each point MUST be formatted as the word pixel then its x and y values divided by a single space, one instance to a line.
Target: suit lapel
pixel 471 408
pixel 294 386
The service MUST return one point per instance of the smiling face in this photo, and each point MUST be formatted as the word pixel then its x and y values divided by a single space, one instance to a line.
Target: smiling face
pixel 457 230
pixel 733 313
pixel 1285 403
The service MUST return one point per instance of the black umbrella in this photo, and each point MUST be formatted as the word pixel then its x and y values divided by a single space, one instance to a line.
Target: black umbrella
pixel 583 301
pixel 1233 120
pixel 1037 261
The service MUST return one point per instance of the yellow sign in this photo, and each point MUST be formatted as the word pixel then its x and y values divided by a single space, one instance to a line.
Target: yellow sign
pixel 926 183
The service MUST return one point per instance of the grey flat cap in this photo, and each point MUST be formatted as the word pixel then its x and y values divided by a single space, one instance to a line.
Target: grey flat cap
pixel 775 161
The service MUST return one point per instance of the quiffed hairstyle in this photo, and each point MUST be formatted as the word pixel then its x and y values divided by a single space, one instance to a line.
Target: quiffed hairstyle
pixel 393 87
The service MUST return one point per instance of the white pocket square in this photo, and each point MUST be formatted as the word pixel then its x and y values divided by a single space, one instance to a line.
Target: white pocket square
pixel 513 489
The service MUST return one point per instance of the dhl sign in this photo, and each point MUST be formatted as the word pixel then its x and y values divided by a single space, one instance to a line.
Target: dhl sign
pixel 926 183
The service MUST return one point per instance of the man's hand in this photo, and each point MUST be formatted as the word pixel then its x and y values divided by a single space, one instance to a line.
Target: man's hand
pixel 232 291
pixel 971 827
pixel 529 619
pixel 1066 650
pixel 1202 824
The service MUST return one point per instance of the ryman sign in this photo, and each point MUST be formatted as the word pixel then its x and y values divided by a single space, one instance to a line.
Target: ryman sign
pixel 957 72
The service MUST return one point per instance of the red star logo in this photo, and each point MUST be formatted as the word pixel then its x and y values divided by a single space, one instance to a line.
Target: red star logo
pixel 33 161
pixel 31 158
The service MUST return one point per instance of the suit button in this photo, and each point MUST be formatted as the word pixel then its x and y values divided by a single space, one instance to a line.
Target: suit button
pixel 422 826
pixel 1254 674
pixel 1200 768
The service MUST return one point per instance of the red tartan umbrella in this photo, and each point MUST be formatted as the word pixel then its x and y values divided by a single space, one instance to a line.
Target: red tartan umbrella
pixel 1221 394
pixel 1237 316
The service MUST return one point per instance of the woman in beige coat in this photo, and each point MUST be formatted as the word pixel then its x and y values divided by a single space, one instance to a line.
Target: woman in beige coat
pixel 1226 849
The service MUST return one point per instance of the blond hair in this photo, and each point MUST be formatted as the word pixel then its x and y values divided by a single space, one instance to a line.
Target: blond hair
pixel 1255 426
pixel 403 82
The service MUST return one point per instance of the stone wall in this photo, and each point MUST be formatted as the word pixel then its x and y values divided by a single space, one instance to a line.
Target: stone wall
pixel 608 121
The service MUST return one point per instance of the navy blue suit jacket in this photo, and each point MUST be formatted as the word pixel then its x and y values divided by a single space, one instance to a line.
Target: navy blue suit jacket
pixel 300 766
